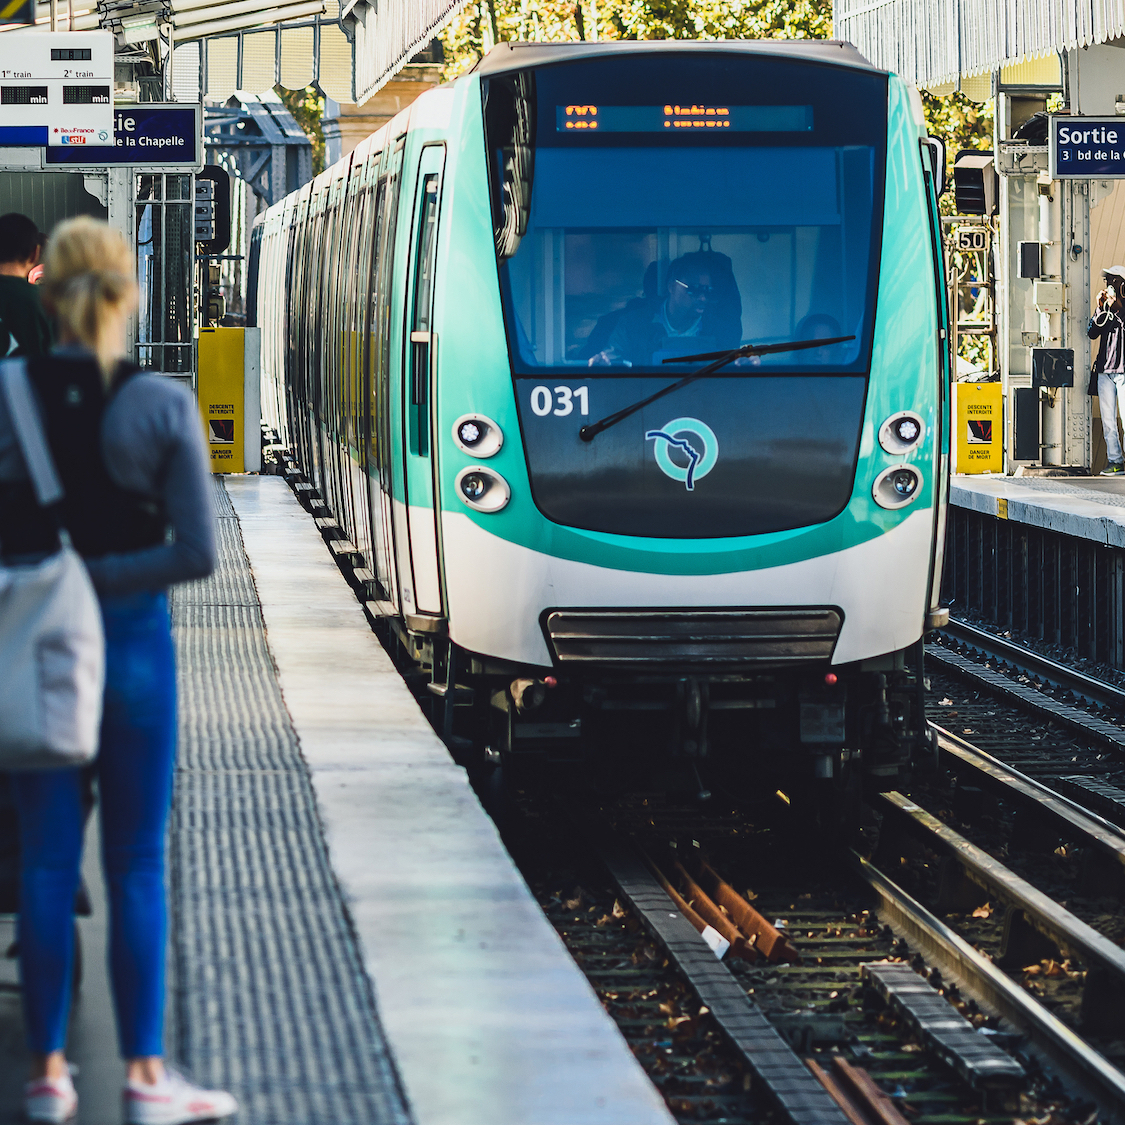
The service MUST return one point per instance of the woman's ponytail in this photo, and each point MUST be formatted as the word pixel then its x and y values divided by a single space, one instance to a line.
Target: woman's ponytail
pixel 88 284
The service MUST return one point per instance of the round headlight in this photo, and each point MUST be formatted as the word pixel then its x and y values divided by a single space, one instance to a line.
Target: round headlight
pixel 897 486
pixel 905 482
pixel 901 432
pixel 477 435
pixel 483 489
pixel 474 485
pixel 907 430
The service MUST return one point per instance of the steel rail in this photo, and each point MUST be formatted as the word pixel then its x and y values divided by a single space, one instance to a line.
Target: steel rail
pixel 1073 936
pixel 1029 698
pixel 980 978
pixel 1020 656
pixel 1076 821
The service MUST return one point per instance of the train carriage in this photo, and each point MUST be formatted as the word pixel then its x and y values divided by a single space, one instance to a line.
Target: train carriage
pixel 624 369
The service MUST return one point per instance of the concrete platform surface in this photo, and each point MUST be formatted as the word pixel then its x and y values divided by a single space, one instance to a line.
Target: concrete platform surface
pixel 488 1019
pixel 1084 507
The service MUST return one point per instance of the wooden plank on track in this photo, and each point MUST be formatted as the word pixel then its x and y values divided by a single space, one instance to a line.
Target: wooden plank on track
pixel 773 1062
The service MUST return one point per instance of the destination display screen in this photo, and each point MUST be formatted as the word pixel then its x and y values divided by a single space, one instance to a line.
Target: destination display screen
pixel 85 95
pixel 673 116
pixel 23 95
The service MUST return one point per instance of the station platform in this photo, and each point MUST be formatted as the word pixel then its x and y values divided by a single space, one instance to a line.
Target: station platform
pixel 1091 508
pixel 350 941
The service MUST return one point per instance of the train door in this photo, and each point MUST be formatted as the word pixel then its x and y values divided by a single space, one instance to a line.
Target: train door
pixel 332 374
pixel 420 357
pixel 357 247
pixel 380 447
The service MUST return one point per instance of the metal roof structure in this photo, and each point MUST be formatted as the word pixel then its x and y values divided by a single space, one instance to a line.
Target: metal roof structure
pixel 933 42
pixel 349 47
pixel 257 138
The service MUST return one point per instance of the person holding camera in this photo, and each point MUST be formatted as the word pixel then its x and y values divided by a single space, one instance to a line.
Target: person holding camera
pixel 1107 376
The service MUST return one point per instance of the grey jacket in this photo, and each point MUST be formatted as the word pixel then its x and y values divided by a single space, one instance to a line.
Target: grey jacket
pixel 152 442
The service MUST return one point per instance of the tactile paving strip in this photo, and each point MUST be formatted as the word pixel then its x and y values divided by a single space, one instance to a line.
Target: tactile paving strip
pixel 270 998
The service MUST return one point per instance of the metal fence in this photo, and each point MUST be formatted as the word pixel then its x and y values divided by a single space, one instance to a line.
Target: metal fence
pixel 932 41
pixel 1054 587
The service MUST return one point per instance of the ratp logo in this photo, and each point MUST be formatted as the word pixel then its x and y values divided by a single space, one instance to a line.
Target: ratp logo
pixel 694 441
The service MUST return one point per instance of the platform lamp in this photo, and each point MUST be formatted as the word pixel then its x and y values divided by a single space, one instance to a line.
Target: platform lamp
pixel 974 182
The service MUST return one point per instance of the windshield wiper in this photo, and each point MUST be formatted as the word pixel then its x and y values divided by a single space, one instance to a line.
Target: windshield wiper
pixel 720 359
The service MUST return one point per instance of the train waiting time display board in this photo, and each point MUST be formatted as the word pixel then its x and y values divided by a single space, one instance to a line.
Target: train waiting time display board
pixel 56 89
pixel 1087 148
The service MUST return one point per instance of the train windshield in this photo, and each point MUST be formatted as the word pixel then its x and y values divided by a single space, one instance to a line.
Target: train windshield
pixel 660 207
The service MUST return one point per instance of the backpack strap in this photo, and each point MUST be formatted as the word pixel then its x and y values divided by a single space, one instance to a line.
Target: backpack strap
pixel 28 425
pixel 9 345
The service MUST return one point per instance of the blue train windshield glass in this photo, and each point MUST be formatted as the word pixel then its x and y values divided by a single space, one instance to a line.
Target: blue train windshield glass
pixel 701 249
pixel 694 115
pixel 623 246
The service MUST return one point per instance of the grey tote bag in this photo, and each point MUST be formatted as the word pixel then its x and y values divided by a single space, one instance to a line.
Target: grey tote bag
pixel 52 648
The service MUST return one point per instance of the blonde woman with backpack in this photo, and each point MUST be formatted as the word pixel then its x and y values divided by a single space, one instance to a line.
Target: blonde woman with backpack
pixel 130 454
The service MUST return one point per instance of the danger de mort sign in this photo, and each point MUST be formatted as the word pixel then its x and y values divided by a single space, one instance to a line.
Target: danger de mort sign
pixel 1087 148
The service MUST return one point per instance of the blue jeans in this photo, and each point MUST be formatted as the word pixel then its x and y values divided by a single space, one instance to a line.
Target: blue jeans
pixel 134 776
pixel 1111 396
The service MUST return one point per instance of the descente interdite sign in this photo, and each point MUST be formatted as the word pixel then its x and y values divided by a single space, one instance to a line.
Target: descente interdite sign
pixel 1087 148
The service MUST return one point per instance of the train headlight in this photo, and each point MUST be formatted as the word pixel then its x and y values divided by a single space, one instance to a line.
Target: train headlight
pixel 901 432
pixel 905 483
pixel 477 435
pixel 897 486
pixel 484 490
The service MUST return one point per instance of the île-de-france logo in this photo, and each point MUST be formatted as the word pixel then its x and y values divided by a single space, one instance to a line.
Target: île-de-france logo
pixel 686 450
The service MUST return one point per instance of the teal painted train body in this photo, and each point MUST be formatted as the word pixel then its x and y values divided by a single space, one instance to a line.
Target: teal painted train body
pixel 452 314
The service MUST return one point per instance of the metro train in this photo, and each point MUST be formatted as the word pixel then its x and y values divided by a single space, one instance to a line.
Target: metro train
pixel 620 372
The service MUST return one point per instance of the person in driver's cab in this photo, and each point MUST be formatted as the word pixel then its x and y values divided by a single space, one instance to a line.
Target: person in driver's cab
pixel 700 311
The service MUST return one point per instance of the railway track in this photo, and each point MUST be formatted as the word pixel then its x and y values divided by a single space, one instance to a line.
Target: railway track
pixel 975 926
pixel 1047 803
pixel 1031 663
pixel 831 1019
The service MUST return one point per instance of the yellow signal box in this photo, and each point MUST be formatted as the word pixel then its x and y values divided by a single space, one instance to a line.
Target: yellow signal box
pixel 229 402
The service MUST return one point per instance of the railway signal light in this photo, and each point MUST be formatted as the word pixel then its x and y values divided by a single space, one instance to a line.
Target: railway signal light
pixel 974 183
pixel 213 305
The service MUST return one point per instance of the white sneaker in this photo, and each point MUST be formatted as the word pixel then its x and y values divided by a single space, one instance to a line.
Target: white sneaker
pixel 173 1101
pixel 50 1099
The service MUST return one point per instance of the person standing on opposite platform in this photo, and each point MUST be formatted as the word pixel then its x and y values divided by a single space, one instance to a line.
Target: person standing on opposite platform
pixel 1107 376
pixel 130 454
pixel 24 327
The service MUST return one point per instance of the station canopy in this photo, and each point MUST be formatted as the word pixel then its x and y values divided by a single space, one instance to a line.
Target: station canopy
pixel 942 45
pixel 348 47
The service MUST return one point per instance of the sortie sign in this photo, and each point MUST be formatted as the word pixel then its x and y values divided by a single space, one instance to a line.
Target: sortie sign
pixel 1087 148
pixel 159 134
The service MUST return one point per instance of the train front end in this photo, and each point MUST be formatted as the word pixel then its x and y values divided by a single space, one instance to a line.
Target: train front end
pixel 731 565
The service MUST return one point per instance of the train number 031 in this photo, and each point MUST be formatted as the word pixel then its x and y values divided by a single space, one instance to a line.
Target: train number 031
pixel 562 401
